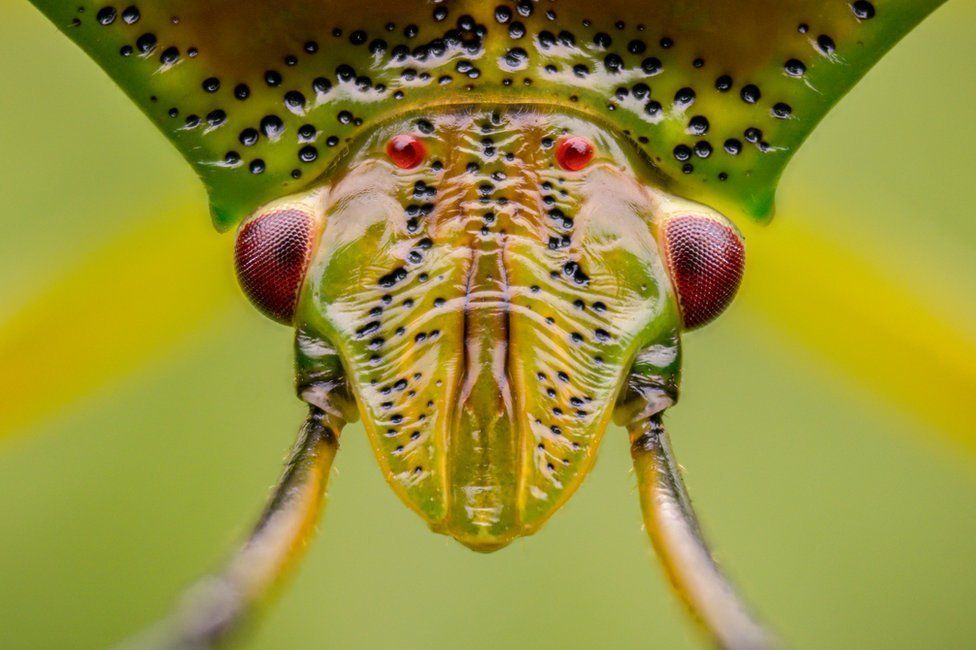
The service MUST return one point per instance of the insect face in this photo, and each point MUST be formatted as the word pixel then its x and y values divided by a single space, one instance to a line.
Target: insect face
pixel 484 281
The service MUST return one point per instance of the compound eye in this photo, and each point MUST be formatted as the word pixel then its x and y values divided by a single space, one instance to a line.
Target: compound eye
pixel 270 256
pixel 705 258
pixel 406 151
pixel 574 153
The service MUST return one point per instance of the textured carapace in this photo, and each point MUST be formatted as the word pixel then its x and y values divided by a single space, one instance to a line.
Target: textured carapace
pixel 706 259
pixel 263 97
pixel 270 256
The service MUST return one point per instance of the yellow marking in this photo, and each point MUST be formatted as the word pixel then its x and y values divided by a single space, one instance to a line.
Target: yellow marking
pixel 126 305
pixel 916 351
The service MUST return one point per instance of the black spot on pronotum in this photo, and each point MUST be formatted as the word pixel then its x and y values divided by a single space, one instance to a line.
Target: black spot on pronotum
pixel 652 66
pixel 698 125
pixel 321 85
pixel 106 15
pixel 782 110
pixel 272 126
pixel 516 58
pixel 613 63
pixel 308 154
pixel 169 56
pixel 684 98
pixel 216 117
pixel 248 137
pixel 130 15
pixel 733 147
pixel 682 153
pixel 863 9
pixel 146 43
pixel 795 68
pixel 750 93
pixel 826 45
pixel 294 100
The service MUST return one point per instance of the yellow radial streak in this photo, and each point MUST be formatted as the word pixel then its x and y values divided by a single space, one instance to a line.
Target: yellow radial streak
pixel 916 351
pixel 114 312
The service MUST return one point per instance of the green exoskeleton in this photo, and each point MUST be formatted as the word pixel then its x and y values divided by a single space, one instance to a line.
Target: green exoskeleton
pixel 489 225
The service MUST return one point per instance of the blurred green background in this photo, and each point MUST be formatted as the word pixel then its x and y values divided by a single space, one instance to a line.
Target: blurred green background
pixel 827 421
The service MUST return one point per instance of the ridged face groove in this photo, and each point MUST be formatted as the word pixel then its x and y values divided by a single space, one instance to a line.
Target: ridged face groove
pixel 487 305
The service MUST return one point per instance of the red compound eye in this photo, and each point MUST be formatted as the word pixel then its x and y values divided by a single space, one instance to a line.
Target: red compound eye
pixel 705 258
pixel 406 151
pixel 270 256
pixel 574 153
